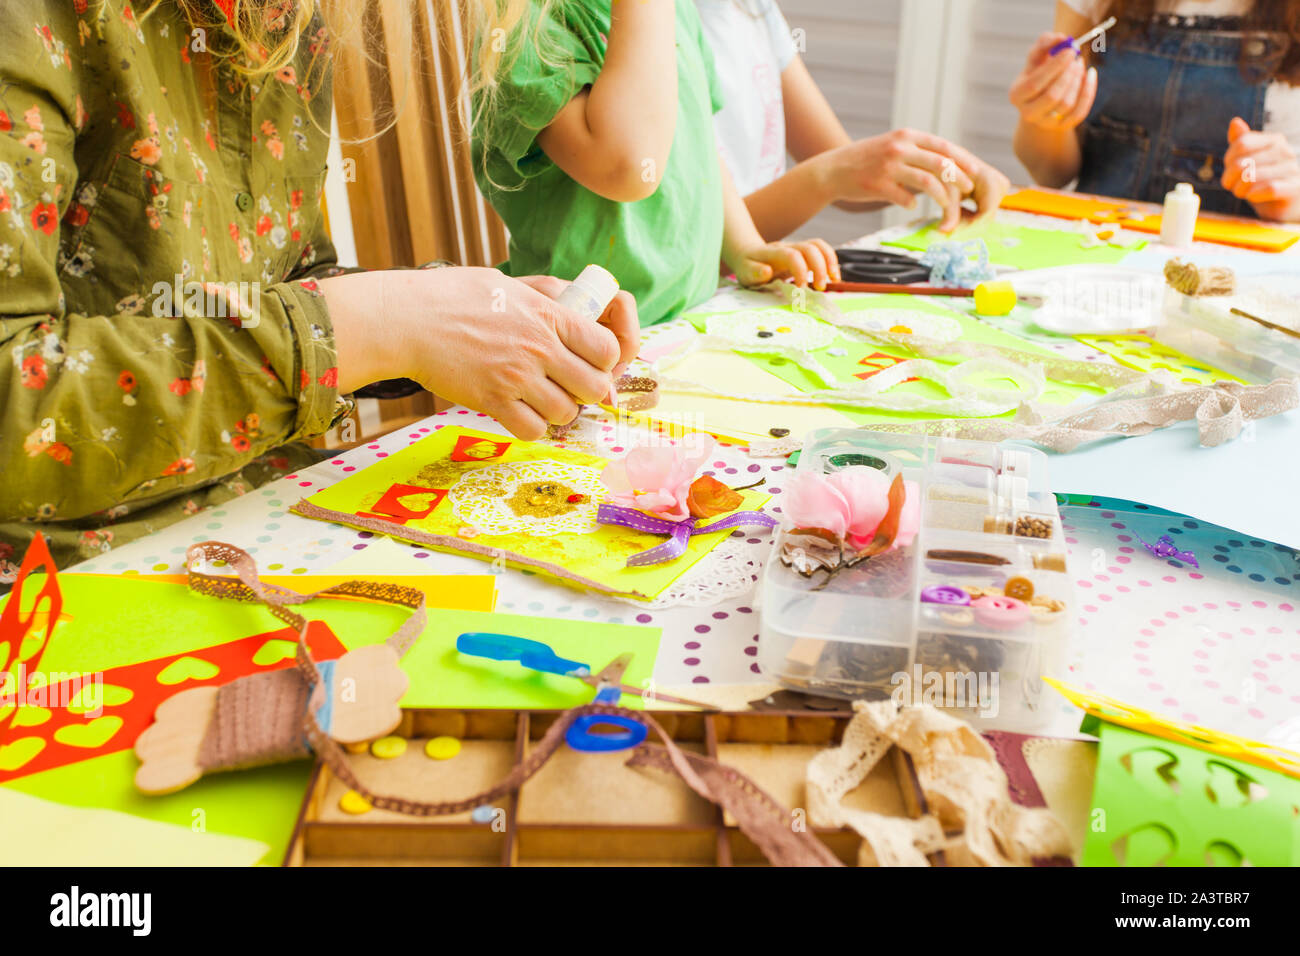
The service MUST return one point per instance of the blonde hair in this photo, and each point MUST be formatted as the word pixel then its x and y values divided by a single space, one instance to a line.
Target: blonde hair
pixel 500 32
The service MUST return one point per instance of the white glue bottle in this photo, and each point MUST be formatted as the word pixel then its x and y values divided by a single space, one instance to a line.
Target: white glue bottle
pixel 589 295
pixel 1178 222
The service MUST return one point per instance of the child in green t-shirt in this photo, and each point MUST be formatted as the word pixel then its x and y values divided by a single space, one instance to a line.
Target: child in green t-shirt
pixel 593 140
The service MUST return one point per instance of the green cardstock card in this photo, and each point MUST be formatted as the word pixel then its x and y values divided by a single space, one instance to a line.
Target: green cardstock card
pixel 1160 803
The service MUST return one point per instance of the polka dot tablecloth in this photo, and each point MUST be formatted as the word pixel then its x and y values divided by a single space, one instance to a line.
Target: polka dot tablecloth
pixel 1216 645
pixel 1219 645
pixel 700 644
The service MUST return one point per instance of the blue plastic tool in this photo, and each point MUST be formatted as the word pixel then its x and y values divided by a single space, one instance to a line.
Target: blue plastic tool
pixel 532 654
pixel 540 657
pixel 579 736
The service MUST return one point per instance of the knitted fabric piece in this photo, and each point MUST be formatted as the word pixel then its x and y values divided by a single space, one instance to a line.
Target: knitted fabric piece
pixel 257 720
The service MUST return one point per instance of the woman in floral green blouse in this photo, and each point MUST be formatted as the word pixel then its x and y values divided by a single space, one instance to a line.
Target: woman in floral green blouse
pixel 172 319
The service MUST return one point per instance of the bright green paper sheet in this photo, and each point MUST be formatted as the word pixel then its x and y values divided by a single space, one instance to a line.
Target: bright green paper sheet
pixel 850 364
pixel 1030 248
pixel 443 677
pixel 111 621
pixel 1160 803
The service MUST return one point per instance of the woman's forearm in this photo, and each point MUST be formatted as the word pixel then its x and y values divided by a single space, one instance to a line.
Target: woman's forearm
pixel 356 304
pixel 1053 157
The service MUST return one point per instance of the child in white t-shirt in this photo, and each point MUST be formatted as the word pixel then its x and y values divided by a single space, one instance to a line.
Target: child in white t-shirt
pixel 772 105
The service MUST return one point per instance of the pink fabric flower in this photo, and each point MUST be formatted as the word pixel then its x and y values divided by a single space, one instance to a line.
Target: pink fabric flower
pixel 657 479
pixel 850 505
pixel 866 491
pixel 811 501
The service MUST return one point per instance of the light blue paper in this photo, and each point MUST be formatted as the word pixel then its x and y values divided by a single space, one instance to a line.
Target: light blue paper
pixel 1153 259
pixel 1248 484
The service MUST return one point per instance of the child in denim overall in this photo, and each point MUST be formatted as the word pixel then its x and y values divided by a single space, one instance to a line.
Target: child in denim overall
pixel 1196 91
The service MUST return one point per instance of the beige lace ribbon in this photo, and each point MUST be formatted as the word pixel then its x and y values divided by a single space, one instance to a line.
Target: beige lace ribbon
pixel 1220 412
pixel 964 787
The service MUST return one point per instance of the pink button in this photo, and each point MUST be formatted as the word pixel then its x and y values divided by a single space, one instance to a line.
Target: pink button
pixel 1000 611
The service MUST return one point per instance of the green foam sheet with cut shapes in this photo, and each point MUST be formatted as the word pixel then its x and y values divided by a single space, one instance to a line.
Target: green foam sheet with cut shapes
pixel 1160 803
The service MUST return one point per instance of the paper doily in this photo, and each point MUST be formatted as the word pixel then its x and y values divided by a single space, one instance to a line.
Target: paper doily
pixel 916 327
pixel 481 498
pixel 726 573
pixel 760 330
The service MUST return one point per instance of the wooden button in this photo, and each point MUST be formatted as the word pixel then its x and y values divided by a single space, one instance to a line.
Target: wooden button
pixel 1022 589
pixel 442 748
pixel 386 748
pixel 354 803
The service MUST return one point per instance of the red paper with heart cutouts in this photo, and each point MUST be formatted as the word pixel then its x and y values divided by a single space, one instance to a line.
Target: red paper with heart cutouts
pixel 52 734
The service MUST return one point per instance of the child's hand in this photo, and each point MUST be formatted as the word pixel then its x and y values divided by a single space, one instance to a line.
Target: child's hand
pixel 900 164
pixel 1262 169
pixel 1054 92
pixel 801 262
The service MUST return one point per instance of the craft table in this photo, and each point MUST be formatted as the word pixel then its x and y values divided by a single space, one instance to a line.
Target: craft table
pixel 1216 645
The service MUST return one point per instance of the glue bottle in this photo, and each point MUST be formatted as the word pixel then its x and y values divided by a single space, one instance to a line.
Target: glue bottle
pixel 589 295
pixel 1178 223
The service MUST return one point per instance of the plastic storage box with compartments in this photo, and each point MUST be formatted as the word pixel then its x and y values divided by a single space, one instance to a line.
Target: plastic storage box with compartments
pixel 969 616
pixel 1221 330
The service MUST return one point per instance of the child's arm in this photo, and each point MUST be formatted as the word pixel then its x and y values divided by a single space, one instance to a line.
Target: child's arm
pixel 755 262
pixel 865 174
pixel 1262 169
pixel 614 136
pixel 1054 95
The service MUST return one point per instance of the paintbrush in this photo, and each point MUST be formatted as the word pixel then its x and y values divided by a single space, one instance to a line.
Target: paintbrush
pixel 889 288
pixel 1076 44
pixel 1267 324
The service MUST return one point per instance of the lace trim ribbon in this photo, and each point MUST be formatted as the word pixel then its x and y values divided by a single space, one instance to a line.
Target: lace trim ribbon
pixel 963 786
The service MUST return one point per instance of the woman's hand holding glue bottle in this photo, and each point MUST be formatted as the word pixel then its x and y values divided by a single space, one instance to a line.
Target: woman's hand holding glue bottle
pixel 590 295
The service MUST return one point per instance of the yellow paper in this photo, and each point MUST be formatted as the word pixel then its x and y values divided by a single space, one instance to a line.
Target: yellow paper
pixel 470 485
pixel 731 419
pixel 1267 755
pixel 36 832
pixel 1145 354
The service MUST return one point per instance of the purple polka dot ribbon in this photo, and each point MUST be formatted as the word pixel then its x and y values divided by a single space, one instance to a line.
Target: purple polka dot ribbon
pixel 679 532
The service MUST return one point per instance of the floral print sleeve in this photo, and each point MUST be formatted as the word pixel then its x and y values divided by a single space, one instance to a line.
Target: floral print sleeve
pixel 161 334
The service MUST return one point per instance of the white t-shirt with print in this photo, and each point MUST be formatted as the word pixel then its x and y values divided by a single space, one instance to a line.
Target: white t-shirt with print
pixel 752 46
pixel 1281 101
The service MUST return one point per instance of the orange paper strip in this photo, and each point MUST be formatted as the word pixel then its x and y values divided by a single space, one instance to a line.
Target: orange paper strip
pixel 1245 233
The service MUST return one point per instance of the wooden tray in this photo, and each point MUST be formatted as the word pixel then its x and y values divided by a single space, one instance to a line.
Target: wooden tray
pixel 583 809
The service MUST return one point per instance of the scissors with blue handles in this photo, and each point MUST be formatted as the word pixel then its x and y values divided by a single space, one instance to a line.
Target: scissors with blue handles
pixel 608 683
